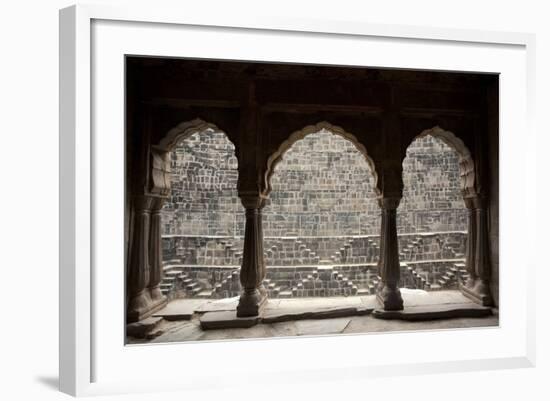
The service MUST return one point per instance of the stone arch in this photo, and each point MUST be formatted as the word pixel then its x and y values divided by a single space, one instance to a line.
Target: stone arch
pixel 466 162
pixel 184 130
pixel 277 156
pixel 160 171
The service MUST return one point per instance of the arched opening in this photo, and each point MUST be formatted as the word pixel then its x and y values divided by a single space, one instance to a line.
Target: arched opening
pixel 202 219
pixel 322 221
pixel 432 220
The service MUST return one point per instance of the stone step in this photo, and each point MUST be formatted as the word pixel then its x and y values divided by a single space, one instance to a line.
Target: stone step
pixel 460 265
pixel 174 273
pixel 204 294
pixel 192 286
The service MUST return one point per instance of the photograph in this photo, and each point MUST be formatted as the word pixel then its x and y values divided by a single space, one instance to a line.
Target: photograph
pixel 269 200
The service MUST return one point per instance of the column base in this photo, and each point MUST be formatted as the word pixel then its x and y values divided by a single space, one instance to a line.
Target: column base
pixel 142 306
pixel 478 292
pixel 156 295
pixel 251 303
pixel 390 299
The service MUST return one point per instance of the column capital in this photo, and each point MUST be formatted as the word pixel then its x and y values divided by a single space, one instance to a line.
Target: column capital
pixel 158 202
pixel 389 202
pixel 252 200
pixel 147 201
pixel 477 201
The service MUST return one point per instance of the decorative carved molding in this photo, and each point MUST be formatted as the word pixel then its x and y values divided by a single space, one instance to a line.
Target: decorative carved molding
pixel 277 156
pixel 160 182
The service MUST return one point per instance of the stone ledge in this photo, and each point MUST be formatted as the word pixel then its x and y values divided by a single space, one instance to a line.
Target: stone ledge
pixel 142 328
pixel 285 315
pixel 431 312
pixel 226 320
pixel 229 319
pixel 179 309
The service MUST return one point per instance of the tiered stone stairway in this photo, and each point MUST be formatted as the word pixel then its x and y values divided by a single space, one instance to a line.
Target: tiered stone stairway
pixel 418 281
pixel 220 252
pixel 229 286
pixel 175 279
pixel 453 276
pixel 289 251
pixel 313 285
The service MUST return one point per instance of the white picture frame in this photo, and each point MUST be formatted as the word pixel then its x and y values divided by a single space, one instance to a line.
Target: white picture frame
pixel 91 40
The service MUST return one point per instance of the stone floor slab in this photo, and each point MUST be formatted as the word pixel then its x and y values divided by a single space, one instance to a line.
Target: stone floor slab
pixel 436 302
pixel 179 331
pixel 141 328
pixel 258 331
pixel 420 297
pixel 226 320
pixel 430 312
pixel 317 327
pixel 226 304
pixel 289 313
pixel 180 309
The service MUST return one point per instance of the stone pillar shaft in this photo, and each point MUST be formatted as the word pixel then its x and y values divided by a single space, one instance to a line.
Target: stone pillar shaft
pixel 254 296
pixel 388 292
pixel 471 248
pixel 145 270
pixel 477 260
pixel 155 251
pixel 139 273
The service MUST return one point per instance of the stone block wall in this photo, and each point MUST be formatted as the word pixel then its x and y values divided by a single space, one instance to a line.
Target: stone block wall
pixel 204 197
pixel 322 187
pixel 310 266
pixel 431 189
pixel 321 224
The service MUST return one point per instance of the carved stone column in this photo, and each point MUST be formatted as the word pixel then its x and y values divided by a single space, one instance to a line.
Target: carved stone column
pixel 139 272
pixel 155 254
pixel 477 287
pixel 388 264
pixel 254 296
pixel 471 243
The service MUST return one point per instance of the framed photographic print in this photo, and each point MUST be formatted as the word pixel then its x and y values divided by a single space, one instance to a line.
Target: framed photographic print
pixel 263 187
